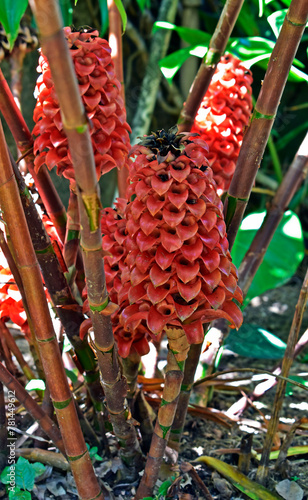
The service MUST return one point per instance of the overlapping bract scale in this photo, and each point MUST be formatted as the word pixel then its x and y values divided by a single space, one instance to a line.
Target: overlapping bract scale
pixel 100 91
pixel 176 269
pixel 223 116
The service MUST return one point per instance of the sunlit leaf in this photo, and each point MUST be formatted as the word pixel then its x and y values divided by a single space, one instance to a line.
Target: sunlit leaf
pixel 189 35
pixel 123 15
pixel 240 481
pixel 10 16
pixel 292 451
pixel 170 64
pixel 278 266
pixel 252 341
pixel 35 384
pixel 276 20
pixel 261 8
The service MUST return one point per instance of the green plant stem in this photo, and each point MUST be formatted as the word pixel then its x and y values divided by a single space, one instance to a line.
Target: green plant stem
pixel 217 47
pixel 32 407
pixel 178 348
pixel 287 361
pixel 24 254
pixel 150 85
pixel 295 175
pixel 77 130
pixel 263 117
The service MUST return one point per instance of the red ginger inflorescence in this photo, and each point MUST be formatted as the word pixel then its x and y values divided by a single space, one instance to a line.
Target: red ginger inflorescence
pixel 175 268
pixel 223 115
pixel 100 91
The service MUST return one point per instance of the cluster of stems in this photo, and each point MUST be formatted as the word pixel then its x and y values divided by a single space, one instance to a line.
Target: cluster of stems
pixel 83 221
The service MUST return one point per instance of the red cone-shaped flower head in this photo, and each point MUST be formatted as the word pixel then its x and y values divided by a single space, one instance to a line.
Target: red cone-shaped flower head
pixel 100 91
pixel 179 265
pixel 222 117
pixel 118 282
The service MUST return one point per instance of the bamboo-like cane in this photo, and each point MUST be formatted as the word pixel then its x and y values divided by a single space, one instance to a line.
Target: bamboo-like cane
pixel 262 471
pixel 73 439
pixel 32 407
pixel 76 127
pixel 115 42
pixel 263 117
pixel 24 142
pixel 186 387
pixel 178 348
pixel 296 173
pixel 217 47
pixel 60 293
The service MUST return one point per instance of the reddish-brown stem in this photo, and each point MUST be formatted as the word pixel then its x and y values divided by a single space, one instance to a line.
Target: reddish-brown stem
pixel 217 47
pixel 76 128
pixel 263 117
pixel 14 217
pixel 17 390
pixel 178 348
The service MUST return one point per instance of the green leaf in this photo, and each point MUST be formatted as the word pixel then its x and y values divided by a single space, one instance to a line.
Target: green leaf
pixel 25 474
pixel 4 478
pixel 35 384
pixel 164 487
pixel 252 341
pixel 284 140
pixel 276 20
pixel 19 495
pixel 38 468
pixel 104 16
pixel 143 4
pixel 243 483
pixel 261 8
pixel 67 11
pixel 189 35
pixel 278 266
pixel 290 387
pixel 170 64
pixel 10 16
pixel 122 13
pixel 71 375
